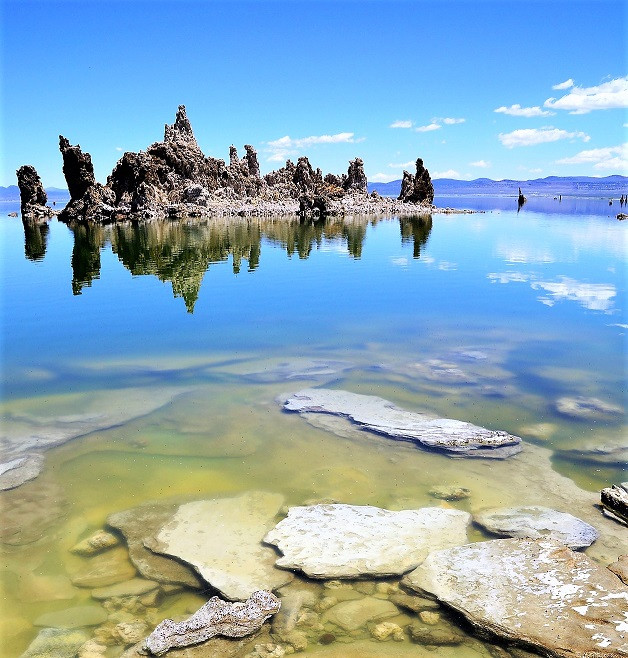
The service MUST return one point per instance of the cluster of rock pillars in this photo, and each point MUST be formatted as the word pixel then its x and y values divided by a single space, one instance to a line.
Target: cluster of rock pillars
pixel 173 178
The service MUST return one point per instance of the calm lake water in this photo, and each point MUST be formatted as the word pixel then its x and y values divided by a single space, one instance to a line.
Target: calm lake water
pixel 492 318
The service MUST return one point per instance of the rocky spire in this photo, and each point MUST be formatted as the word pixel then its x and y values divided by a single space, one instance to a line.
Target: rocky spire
pixel 417 188
pixel 77 168
pixel 32 191
pixel 356 178
pixel 251 158
pixel 181 130
pixel 234 160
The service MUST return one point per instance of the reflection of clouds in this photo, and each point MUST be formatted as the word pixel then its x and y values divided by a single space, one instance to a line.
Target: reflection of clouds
pixel 334 246
pixel 593 296
pixel 525 254
pixel 400 262
pixel 447 266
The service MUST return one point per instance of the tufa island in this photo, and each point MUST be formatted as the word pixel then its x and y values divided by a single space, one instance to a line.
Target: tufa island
pixel 173 178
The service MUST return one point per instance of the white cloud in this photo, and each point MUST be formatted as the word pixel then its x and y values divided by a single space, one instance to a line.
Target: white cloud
pixel 581 100
pixel 382 178
pixel 592 296
pixel 280 149
pixel 483 164
pixel 119 148
pixel 564 85
pixel 450 173
pixel 518 111
pixel 532 136
pixel 402 165
pixel 401 124
pixel 611 158
pixel 428 128
pixel 449 121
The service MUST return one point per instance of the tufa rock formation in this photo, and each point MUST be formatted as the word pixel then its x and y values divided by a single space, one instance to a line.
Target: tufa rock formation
pixel 33 197
pixel 417 188
pixel 173 178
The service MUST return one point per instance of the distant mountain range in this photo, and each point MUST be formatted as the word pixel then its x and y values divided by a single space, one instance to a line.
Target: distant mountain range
pixel 12 193
pixel 552 185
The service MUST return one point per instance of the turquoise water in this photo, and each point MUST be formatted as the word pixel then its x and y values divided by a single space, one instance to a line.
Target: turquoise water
pixel 491 317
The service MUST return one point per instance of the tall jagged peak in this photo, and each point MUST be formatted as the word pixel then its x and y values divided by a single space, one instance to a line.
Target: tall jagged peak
pixel 181 129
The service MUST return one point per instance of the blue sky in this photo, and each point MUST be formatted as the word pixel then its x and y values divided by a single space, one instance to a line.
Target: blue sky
pixel 468 85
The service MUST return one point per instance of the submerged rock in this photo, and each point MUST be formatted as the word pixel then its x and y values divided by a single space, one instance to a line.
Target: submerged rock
pixel 221 539
pixel 620 568
pixel 587 408
pixel 103 570
pixel 141 524
pixel 56 643
pixel 28 431
pixel 76 617
pixel 97 543
pixel 536 522
pixel 615 501
pixel 454 437
pixel 216 617
pixel 349 541
pixel 351 615
pixel 537 593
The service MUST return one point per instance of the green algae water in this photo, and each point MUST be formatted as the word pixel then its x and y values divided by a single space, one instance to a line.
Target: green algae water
pixel 512 321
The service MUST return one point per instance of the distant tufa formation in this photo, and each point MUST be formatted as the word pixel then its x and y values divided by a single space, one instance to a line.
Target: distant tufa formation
pixel 174 178
pixel 33 197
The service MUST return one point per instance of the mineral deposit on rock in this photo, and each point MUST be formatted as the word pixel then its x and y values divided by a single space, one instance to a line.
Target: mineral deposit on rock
pixel 454 437
pixel 221 539
pixel 216 617
pixel 537 593
pixel 349 541
pixel 536 522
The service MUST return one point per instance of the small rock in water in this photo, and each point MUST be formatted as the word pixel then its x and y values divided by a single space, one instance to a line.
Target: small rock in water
pixel 435 636
pixel 103 570
pixel 97 543
pixel 537 522
pixel 615 501
pixel 429 617
pixel 77 617
pixel 133 587
pixel 352 615
pixel 216 617
pixel 386 630
pixel 450 492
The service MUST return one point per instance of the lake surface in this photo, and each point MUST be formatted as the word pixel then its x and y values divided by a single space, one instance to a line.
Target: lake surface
pixel 493 318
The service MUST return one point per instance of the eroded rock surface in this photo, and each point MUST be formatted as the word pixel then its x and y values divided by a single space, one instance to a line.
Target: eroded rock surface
pixel 538 593
pixel 216 617
pixel 33 197
pixel 454 437
pixel 536 522
pixel 349 541
pixel 221 539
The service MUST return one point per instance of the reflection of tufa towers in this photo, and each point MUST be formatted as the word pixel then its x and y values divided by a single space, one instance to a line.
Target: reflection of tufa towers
pixel 182 252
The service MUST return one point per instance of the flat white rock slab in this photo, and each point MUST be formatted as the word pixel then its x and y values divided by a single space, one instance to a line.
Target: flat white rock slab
pixel 536 522
pixel 349 541
pixel 222 540
pixel 455 437
pixel 536 592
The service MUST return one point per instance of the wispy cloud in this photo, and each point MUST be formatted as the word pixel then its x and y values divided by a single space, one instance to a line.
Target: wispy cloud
pixel 450 173
pixel 402 165
pixel 449 121
pixel 382 178
pixel 401 124
pixel 533 136
pixel 582 100
pixel 119 148
pixel 483 164
pixel 611 158
pixel 564 85
pixel 428 128
pixel 518 111
pixel 280 149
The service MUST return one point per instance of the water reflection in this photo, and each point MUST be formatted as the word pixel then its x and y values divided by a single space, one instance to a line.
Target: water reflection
pixel 182 251
pixel 35 239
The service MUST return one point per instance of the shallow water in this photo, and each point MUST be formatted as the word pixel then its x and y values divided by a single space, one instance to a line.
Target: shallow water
pixel 491 318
